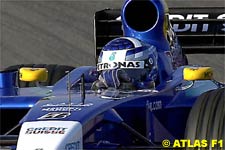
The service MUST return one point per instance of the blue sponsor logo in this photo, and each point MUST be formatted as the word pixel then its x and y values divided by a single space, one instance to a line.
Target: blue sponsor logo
pixel 73 146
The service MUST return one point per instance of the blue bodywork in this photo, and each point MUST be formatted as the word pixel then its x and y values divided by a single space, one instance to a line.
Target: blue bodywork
pixel 157 114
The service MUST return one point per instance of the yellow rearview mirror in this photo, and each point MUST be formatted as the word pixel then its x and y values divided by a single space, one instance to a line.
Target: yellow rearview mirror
pixel 33 74
pixel 198 73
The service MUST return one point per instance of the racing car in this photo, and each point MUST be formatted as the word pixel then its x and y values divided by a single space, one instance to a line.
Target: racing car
pixel 141 92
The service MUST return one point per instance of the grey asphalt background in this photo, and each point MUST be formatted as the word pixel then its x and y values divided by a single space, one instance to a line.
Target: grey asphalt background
pixel 61 32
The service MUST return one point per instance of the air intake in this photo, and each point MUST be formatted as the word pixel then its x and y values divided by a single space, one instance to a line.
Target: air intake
pixel 141 15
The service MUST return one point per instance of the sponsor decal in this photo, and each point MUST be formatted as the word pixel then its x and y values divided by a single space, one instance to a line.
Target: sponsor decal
pixel 156 105
pixel 55 115
pixel 123 65
pixel 196 16
pixel 46 130
pixel 66 104
pixel 195 27
pixel 73 146
pixel 115 56
pixel 112 56
pixel 62 107
pixel 189 16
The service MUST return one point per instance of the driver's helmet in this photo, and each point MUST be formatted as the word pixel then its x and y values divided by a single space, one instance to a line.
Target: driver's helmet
pixel 128 63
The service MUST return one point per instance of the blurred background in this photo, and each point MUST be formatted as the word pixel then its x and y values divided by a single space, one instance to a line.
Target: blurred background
pixel 61 32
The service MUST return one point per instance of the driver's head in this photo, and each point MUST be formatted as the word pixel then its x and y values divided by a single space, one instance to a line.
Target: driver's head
pixel 127 61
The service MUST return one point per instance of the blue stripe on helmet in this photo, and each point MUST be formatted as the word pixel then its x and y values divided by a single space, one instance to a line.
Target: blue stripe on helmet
pixel 119 44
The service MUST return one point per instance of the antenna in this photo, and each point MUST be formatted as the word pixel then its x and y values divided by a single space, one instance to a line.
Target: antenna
pixel 82 89
pixel 69 90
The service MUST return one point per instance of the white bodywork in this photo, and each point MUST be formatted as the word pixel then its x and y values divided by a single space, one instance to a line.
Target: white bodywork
pixel 50 135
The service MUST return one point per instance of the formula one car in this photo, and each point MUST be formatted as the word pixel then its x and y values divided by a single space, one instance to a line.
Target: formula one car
pixel 141 92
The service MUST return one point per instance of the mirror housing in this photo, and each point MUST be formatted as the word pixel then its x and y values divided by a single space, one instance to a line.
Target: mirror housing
pixel 198 73
pixel 33 74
